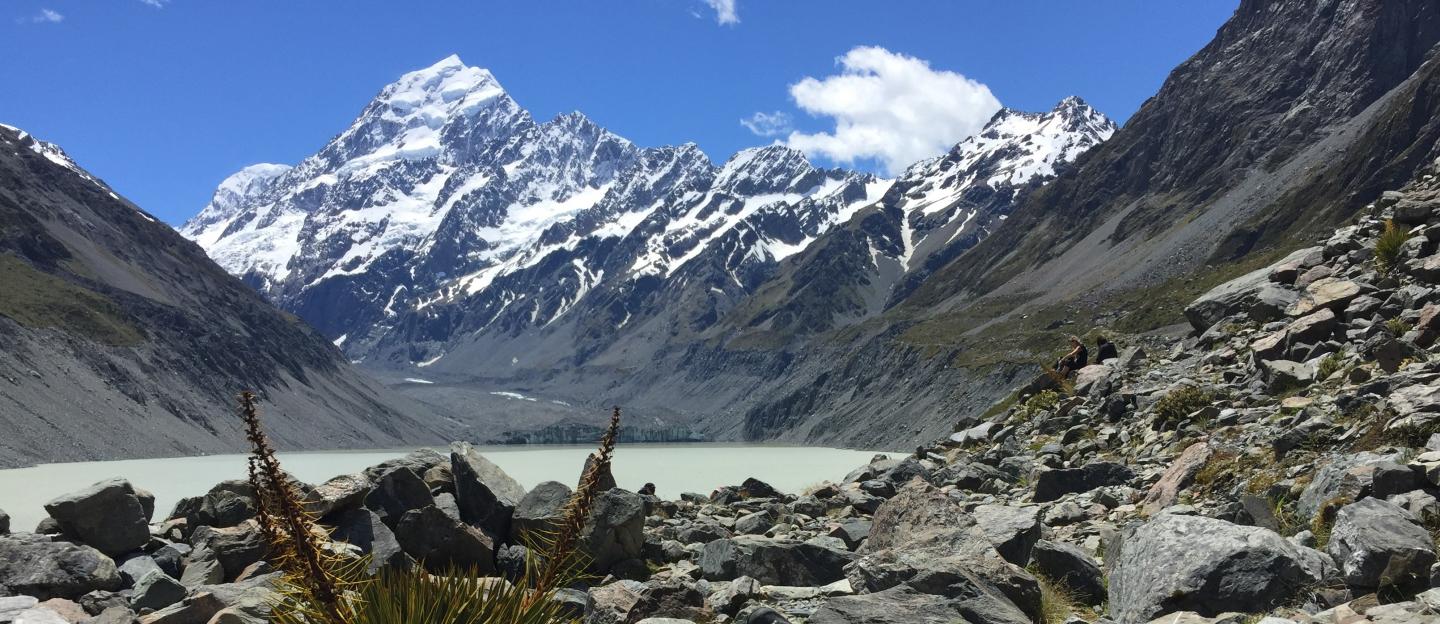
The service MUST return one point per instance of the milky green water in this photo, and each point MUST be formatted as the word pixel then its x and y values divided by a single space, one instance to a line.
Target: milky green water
pixel 672 468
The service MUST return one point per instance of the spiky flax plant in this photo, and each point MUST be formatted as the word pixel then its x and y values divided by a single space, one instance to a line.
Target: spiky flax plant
pixel 319 587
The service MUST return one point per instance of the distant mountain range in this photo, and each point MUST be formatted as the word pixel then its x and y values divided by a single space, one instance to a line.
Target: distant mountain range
pixel 445 229
pixel 509 277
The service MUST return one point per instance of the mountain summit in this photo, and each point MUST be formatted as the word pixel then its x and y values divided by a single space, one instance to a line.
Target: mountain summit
pixel 445 228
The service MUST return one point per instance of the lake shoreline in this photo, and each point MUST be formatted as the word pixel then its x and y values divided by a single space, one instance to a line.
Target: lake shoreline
pixel 728 462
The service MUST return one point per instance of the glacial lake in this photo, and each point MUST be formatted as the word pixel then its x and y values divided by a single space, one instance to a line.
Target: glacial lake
pixel 672 468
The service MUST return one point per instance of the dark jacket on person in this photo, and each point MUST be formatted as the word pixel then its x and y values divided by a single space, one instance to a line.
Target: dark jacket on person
pixel 1105 351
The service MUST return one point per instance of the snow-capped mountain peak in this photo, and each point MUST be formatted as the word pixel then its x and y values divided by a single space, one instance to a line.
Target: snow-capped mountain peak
pixel 444 210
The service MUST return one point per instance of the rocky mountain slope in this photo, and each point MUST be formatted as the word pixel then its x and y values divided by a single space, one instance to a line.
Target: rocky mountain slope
pixel 1277 460
pixel 119 338
pixel 1290 121
pixel 447 232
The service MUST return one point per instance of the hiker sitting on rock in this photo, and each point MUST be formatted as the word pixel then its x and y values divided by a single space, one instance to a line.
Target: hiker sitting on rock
pixel 1075 360
pixel 1104 350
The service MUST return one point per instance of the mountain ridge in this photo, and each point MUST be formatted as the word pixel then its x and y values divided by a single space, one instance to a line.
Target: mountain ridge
pixel 109 312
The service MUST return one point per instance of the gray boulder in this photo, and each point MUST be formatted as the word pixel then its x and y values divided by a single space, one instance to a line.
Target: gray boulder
pixel 926 540
pixel 1052 484
pixel 135 567
pixel 202 567
pixel 1012 530
pixel 485 495
pixel 235 548
pixel 4 523
pixel 107 516
pixel 35 566
pixel 338 494
pixel 156 590
pixel 754 523
pixel 773 561
pixel 1070 566
pixel 540 509
pixel 1209 566
pixel 606 478
pixel 1347 476
pixel 227 504
pixel 1282 375
pixel 362 528
pixel 615 530
pixel 397 492
pixel 898 605
pixel 418 462
pixel 438 541
pixel 1377 544
pixel 1232 297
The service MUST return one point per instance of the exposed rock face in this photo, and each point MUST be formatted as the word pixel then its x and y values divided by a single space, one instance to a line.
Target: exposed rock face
pixel 1189 563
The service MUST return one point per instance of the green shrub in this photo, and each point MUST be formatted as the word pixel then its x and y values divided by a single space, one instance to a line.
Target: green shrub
pixel 1330 365
pixel 1389 247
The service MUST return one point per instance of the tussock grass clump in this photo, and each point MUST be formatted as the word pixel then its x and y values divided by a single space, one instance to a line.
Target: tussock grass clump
pixel 1389 246
pixel 1330 365
pixel 319 587
pixel 1398 327
pixel 1057 600
pixel 1324 520
pixel 1180 403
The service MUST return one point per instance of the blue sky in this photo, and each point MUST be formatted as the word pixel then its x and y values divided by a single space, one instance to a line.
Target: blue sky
pixel 165 98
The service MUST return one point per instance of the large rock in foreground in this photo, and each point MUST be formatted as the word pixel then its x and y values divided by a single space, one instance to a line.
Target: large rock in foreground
pixel 923 539
pixel 772 561
pixel 900 605
pixel 35 566
pixel 439 541
pixel 485 494
pixel 1191 563
pixel 539 511
pixel 1378 544
pixel 108 516
pixel 615 530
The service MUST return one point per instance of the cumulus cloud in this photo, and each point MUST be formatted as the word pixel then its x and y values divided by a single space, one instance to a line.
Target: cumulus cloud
pixel 890 107
pixel 768 124
pixel 724 11
pixel 45 16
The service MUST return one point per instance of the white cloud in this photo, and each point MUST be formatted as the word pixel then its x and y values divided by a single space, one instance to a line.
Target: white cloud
pixel 768 124
pixel 724 11
pixel 890 107
pixel 45 16
pixel 159 4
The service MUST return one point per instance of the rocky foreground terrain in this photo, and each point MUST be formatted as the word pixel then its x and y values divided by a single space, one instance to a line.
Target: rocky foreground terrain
pixel 1279 463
